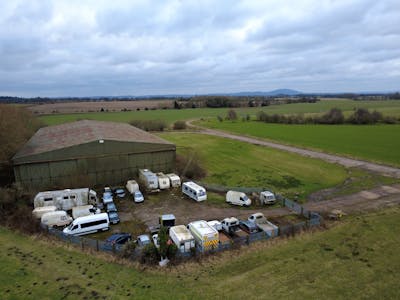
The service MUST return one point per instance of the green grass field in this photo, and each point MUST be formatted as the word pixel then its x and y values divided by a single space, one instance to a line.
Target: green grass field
pixel 380 143
pixel 237 164
pixel 357 259
pixel 386 107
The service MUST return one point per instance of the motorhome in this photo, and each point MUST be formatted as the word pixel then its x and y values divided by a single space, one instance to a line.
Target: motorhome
pixel 206 237
pixel 84 210
pixel 267 197
pixel 132 186
pixel 182 238
pixel 163 181
pixel 237 198
pixel 174 179
pixel 65 199
pixel 88 224
pixel 55 218
pixel 38 212
pixel 148 179
pixel 194 191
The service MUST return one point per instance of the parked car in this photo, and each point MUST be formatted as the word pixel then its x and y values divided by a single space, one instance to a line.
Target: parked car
pixel 119 238
pixel 111 207
pixel 267 197
pixel 249 227
pixel 119 192
pixel 156 240
pixel 107 189
pixel 113 216
pixel 107 197
pixel 143 240
pixel 138 197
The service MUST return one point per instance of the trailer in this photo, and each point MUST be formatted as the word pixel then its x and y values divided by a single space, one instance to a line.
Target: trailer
pixel 132 186
pixel 66 199
pixel 38 212
pixel 206 237
pixel 149 180
pixel 182 238
pixel 194 191
pixel 163 181
pixel 174 179
pixel 84 210
pixel 261 221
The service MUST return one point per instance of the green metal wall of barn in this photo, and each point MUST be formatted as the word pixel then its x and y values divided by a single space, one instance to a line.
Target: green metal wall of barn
pixel 94 163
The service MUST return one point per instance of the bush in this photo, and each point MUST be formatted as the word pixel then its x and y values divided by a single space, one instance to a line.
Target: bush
pixel 334 116
pixel 128 250
pixel 220 118
pixel 190 167
pixel 149 125
pixel 362 116
pixel 231 115
pixel 150 255
pixel 178 125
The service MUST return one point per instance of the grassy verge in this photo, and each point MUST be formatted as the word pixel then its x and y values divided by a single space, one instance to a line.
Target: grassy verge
pixel 356 259
pixel 378 143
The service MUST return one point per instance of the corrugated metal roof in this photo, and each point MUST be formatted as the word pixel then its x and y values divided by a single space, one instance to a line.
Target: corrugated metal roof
pixel 81 132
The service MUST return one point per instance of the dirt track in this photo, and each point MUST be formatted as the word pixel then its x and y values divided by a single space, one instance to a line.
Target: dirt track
pixel 344 161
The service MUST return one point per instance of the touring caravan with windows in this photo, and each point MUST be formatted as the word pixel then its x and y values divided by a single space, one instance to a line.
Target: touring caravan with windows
pixel 194 191
pixel 148 179
pixel 88 224
pixel 174 179
pixel 163 181
pixel 132 186
pixel 65 199
pixel 38 212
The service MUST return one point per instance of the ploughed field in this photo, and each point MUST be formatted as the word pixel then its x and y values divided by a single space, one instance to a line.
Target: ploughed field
pixel 378 143
pixel 357 258
pixel 391 108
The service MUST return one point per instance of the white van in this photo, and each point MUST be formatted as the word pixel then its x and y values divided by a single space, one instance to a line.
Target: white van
pixel 194 191
pixel 55 218
pixel 88 224
pixel 267 197
pixel 132 186
pixel 237 198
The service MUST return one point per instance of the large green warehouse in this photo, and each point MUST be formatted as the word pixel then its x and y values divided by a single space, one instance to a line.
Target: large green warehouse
pixel 95 152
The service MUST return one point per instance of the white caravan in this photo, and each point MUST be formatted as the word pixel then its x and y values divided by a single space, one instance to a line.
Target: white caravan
pixel 206 237
pixel 174 179
pixel 88 224
pixel 132 186
pixel 182 238
pixel 38 212
pixel 194 191
pixel 65 199
pixel 84 210
pixel 237 198
pixel 163 181
pixel 267 197
pixel 148 179
pixel 55 218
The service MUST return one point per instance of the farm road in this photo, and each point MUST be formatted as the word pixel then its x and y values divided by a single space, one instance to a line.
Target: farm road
pixel 344 161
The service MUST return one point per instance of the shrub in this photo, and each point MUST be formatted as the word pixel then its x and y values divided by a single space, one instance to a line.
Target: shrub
pixel 190 167
pixel 128 250
pixel 178 125
pixel 149 125
pixel 220 118
pixel 361 116
pixel 334 116
pixel 150 255
pixel 231 115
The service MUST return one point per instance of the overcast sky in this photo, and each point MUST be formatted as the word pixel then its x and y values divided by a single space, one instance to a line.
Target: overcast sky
pixel 89 48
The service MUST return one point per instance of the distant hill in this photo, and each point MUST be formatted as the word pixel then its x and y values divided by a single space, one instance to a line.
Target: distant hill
pixel 279 92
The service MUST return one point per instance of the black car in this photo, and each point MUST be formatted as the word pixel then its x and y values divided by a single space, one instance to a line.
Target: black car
pixel 119 238
pixel 111 207
pixel 113 217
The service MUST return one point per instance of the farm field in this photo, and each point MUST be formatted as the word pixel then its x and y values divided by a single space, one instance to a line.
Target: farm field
pixel 305 267
pixel 387 107
pixel 378 143
pixel 237 164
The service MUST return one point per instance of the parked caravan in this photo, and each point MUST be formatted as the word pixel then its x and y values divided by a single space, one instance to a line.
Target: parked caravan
pixel 174 179
pixel 206 237
pixel 88 224
pixel 267 197
pixel 84 210
pixel 237 198
pixel 132 186
pixel 66 199
pixel 148 179
pixel 163 181
pixel 182 238
pixel 38 212
pixel 55 218
pixel 194 191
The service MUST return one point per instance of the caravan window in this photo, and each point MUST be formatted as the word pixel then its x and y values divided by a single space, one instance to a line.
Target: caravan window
pixel 65 197
pixel 94 223
pixel 48 199
pixel 202 193
pixel 72 197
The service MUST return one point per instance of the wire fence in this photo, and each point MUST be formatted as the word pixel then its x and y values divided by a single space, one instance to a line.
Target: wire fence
pixel 312 219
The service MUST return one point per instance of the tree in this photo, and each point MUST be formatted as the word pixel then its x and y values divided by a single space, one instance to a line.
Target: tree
pixel 231 115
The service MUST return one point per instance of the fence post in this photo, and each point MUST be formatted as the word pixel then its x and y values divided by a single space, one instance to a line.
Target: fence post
pixel 97 245
pixel 82 246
